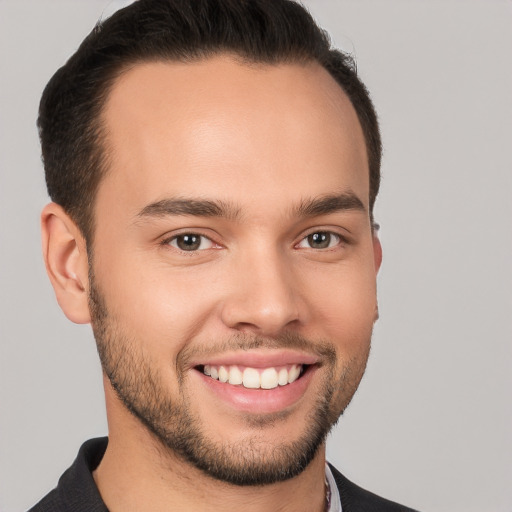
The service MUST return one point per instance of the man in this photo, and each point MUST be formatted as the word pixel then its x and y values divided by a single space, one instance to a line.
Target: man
pixel 213 167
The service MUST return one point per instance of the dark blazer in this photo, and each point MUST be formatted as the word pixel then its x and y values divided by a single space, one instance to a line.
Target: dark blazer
pixel 77 491
pixel 355 499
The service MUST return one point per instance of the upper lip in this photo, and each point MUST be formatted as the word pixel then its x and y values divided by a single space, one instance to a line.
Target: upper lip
pixel 258 358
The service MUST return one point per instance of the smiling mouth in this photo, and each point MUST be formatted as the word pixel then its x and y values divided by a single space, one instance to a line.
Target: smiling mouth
pixel 254 378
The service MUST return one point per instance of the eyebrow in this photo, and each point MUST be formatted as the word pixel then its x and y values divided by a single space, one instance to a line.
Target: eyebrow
pixel 207 208
pixel 330 204
pixel 193 207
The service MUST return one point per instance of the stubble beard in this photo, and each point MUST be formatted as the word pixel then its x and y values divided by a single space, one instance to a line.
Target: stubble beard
pixel 249 462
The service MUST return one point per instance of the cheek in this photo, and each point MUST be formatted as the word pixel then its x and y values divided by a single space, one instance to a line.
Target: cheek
pixel 342 305
pixel 156 306
pixel 343 301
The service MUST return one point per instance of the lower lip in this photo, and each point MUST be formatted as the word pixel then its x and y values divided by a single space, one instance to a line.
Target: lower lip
pixel 259 401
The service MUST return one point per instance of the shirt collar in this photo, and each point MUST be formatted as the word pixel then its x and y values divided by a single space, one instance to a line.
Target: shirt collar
pixel 334 504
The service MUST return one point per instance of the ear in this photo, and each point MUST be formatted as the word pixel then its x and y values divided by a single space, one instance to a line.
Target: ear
pixel 65 257
pixel 377 251
pixel 377 258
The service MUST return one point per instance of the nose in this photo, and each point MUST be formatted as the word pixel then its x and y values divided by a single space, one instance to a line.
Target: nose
pixel 263 296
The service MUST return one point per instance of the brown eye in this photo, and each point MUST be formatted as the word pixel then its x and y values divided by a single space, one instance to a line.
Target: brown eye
pixel 191 242
pixel 320 240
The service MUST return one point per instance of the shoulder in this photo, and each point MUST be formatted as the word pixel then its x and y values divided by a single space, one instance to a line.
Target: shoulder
pixel 52 502
pixel 357 499
pixel 76 490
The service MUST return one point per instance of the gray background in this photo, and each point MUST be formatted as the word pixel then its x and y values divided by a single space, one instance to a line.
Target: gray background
pixel 431 424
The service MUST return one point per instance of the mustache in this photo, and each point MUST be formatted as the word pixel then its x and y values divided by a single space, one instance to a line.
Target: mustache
pixel 323 349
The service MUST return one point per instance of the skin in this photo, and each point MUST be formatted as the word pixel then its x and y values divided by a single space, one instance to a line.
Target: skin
pixel 263 140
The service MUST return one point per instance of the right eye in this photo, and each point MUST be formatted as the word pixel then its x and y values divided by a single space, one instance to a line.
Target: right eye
pixel 190 242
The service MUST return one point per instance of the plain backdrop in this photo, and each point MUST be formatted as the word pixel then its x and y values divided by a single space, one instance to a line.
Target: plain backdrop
pixel 431 424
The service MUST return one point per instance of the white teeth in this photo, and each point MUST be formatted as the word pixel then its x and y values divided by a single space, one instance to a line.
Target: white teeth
pixel 269 378
pixel 293 374
pixel 282 378
pixel 223 374
pixel 235 376
pixel 252 378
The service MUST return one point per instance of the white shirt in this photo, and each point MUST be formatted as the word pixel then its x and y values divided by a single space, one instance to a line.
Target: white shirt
pixel 334 502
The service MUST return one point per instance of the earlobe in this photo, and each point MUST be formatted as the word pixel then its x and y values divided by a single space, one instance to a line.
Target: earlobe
pixel 65 257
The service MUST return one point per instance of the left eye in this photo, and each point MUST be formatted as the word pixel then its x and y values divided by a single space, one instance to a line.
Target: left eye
pixel 320 240
pixel 191 242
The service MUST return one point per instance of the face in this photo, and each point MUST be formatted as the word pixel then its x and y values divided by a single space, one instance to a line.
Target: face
pixel 233 280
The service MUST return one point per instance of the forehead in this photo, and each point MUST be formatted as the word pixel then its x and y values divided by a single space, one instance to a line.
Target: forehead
pixel 222 128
